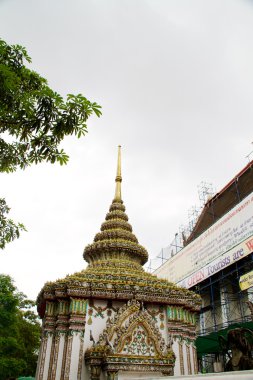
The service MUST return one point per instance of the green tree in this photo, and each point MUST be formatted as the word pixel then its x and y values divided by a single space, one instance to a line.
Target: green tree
pixel 33 121
pixel 8 229
pixel 19 332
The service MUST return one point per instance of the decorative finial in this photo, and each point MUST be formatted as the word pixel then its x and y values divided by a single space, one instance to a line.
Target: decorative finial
pixel 118 178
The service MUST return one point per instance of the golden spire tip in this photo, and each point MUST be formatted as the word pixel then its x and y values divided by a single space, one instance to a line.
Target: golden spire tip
pixel 118 178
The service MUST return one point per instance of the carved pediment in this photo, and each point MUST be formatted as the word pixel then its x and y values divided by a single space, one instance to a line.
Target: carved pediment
pixel 133 331
pixel 131 341
pixel 137 341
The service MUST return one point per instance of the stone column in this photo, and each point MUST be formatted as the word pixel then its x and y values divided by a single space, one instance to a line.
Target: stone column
pixel 112 375
pixel 181 326
pixel 181 358
pixel 195 359
pixel 42 356
pixel 74 349
pixel 62 326
pixel 188 358
pixel 44 364
pixel 95 371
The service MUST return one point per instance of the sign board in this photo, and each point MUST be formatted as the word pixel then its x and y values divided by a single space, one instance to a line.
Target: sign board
pixel 246 281
pixel 225 242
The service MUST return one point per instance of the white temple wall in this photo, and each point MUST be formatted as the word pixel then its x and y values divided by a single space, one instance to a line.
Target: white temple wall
pixel 96 319
pixel 159 315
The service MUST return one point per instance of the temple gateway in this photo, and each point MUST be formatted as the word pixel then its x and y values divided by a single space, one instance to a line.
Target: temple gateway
pixel 113 320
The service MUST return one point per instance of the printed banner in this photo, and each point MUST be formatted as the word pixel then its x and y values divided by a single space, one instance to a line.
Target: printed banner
pixel 225 242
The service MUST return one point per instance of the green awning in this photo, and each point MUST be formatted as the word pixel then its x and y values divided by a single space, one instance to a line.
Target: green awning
pixel 209 344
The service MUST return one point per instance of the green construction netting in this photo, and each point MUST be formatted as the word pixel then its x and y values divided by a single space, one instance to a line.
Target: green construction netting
pixel 209 344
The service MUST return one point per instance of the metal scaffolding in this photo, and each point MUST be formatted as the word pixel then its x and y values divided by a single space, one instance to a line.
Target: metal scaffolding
pixel 205 191
pixel 223 303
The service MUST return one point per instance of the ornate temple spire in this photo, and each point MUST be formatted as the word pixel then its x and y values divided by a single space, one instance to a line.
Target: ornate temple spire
pixel 118 178
pixel 115 239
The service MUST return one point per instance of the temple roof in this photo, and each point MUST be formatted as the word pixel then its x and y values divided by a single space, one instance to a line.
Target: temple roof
pixel 115 267
pixel 228 197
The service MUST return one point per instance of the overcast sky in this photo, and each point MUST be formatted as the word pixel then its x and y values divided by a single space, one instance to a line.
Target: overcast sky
pixel 175 80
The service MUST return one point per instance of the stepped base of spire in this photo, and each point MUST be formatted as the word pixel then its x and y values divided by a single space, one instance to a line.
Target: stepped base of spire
pixel 116 239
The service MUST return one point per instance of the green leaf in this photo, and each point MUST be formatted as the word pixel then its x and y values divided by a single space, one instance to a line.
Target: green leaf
pixel 34 120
